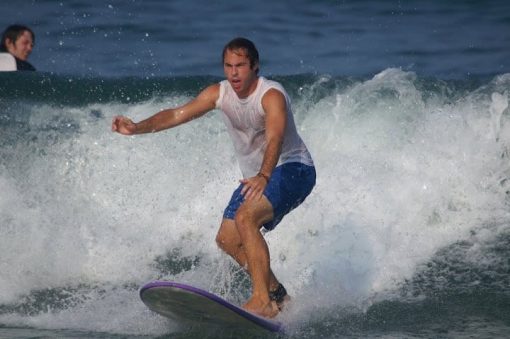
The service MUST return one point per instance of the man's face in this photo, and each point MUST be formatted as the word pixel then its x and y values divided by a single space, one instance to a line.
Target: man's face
pixel 22 47
pixel 239 73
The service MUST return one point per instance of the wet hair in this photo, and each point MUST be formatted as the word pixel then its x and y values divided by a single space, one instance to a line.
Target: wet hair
pixel 12 33
pixel 248 46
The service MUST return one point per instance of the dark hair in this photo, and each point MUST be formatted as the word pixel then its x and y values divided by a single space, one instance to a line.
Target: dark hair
pixel 247 45
pixel 12 33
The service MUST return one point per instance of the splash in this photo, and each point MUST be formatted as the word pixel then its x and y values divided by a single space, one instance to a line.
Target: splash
pixel 406 167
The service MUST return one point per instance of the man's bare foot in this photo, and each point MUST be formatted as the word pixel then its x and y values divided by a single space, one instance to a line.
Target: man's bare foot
pixel 264 309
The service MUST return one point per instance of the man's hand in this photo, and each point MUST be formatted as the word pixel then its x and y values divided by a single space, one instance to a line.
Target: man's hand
pixel 253 187
pixel 123 125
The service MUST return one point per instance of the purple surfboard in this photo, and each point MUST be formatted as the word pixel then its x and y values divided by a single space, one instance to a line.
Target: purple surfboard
pixel 185 303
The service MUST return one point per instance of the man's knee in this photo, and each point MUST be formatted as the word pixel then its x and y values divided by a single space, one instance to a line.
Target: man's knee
pixel 252 218
pixel 226 239
pixel 221 241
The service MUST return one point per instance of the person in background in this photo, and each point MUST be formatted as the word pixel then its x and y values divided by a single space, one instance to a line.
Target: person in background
pixel 18 40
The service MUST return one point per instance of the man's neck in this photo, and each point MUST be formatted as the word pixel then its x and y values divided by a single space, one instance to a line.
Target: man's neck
pixel 251 88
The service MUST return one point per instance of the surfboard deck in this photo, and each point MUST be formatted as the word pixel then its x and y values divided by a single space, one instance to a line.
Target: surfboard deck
pixel 185 303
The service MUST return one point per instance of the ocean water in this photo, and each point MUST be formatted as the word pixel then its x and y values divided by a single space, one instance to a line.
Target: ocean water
pixel 404 106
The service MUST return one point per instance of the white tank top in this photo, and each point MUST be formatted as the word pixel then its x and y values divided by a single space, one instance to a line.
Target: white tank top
pixel 244 119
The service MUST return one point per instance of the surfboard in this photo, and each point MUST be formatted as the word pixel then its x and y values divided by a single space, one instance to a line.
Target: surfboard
pixel 187 304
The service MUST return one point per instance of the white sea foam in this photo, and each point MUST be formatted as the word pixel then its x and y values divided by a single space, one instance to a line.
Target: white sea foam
pixel 401 172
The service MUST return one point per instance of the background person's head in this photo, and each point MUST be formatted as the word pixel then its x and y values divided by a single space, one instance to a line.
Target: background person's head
pixel 18 40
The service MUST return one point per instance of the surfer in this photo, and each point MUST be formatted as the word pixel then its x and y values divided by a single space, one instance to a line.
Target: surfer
pixel 18 40
pixel 278 171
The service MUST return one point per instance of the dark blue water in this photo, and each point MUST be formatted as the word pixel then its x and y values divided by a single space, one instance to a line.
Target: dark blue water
pixel 453 39
pixel 404 106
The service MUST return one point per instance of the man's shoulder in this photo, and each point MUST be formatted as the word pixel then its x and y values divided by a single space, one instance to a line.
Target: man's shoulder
pixel 273 88
pixel 211 90
pixel 274 92
pixel 211 94
pixel 269 84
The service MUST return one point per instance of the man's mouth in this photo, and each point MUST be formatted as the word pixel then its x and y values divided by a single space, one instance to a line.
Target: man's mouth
pixel 236 82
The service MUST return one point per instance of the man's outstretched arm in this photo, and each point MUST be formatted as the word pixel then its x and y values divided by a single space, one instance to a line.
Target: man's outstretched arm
pixel 168 118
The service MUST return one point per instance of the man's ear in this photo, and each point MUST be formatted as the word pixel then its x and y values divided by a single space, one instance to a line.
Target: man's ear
pixel 9 43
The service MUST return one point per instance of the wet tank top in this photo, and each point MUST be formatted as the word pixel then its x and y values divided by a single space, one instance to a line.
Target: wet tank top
pixel 245 120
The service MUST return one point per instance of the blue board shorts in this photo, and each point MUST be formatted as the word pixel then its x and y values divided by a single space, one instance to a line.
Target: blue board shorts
pixel 287 188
